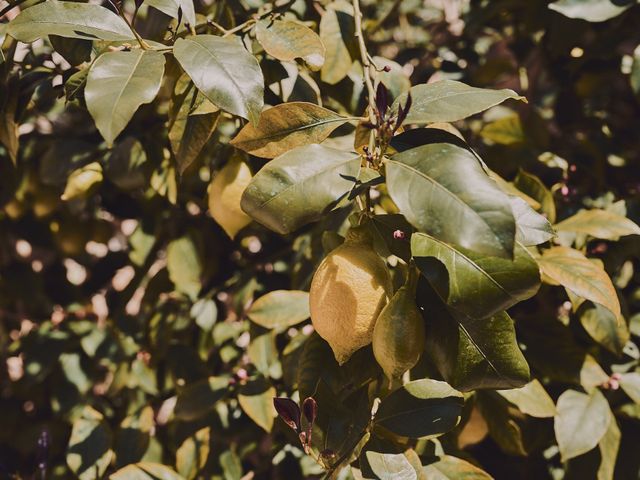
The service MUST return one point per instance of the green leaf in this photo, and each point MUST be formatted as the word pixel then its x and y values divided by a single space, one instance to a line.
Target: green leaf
pixel 205 313
pixel 630 383
pixel 117 84
pixel 336 29
pixel 185 268
pixel 506 131
pixel 421 408
pixel 531 227
pixel 475 285
pixel 263 353
pixel 300 186
pixel 71 20
pixel 604 327
pixel 609 446
pixel 192 455
pixel 145 471
pixel 133 437
pixel 532 399
pixel 256 400
pixel 280 309
pixel 449 101
pixel 391 466
pixel 599 224
pixel 170 7
pixel 396 80
pixel 443 190
pixel 73 50
pixel 533 187
pixel 577 273
pixel 285 127
pixel 225 72
pixel 503 427
pixel 192 121
pixel 590 10
pixel 452 468
pixel 89 452
pixel 582 420
pixel 197 398
pixel 287 40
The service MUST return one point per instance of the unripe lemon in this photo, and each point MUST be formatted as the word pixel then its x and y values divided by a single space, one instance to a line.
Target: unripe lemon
pixel 348 291
pixel 224 196
pixel 399 334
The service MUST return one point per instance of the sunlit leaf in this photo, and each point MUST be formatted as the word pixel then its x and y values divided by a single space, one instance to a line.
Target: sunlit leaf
pixel 225 193
pixel 256 400
pixel 183 262
pixel 117 84
pixel 170 7
pixel 604 327
pixel 390 466
pixel 287 126
pixel 89 452
pixel 225 72
pixel 449 467
pixel 280 309
pixel 531 399
pixel 192 455
pixel 287 40
pixel 599 224
pixel 336 29
pixel 590 10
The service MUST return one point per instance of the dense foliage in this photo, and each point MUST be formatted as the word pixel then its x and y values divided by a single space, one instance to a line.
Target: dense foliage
pixel 173 172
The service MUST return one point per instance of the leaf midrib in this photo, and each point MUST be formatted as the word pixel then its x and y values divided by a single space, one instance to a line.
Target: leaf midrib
pixel 288 131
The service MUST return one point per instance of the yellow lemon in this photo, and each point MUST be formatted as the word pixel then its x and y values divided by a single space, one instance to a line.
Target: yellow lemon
pixel 348 291
pixel 225 192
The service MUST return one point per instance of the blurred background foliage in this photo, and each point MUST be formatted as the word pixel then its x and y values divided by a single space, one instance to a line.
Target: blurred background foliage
pixel 125 308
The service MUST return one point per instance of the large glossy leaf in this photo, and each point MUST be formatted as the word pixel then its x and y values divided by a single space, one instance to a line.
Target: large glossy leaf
pixel 531 399
pixel 443 190
pixel 590 10
pixel 449 101
pixel 287 126
pixel 336 30
pixel 577 273
pixel 89 452
pixel 448 467
pixel 421 408
pixel 117 84
pixel 192 121
pixel 287 40
pixel 599 224
pixel 280 309
pixel 69 19
pixel 475 285
pixel 300 186
pixel 581 421
pixel 225 72
pixel 170 7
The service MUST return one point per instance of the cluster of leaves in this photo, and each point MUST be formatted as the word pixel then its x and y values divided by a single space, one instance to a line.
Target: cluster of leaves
pixel 174 171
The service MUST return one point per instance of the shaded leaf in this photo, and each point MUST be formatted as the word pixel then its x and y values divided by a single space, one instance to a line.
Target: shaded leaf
pixel 170 7
pixel 506 131
pixel 534 188
pixel 287 126
pixel 577 273
pixel 449 101
pixel 443 190
pixel 436 404
pixel 472 284
pixel 503 427
pixel 197 398
pixel 287 40
pixel 599 224
pixel 225 72
pixel 280 309
pixel 300 186
pixel 71 20
pixel 582 420
pixel 192 121
pixel 117 84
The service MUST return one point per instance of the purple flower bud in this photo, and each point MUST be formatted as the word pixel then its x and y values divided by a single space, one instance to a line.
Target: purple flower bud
pixel 288 411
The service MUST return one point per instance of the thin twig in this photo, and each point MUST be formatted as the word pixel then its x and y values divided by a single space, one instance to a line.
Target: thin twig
pixel 366 65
